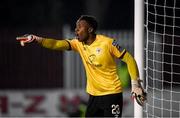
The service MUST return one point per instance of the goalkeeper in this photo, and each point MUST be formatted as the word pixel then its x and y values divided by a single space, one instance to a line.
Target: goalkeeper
pixel 98 53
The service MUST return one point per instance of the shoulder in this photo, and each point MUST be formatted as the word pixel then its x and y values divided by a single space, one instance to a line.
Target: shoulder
pixel 105 38
pixel 111 41
pixel 73 41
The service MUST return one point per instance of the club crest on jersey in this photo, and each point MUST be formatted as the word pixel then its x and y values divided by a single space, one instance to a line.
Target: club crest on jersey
pixel 98 50
pixel 115 43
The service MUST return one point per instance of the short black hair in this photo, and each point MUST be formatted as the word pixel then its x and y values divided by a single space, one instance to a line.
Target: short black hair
pixel 91 20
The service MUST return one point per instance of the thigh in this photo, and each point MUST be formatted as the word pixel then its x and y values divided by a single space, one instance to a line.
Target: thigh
pixel 93 109
pixel 113 105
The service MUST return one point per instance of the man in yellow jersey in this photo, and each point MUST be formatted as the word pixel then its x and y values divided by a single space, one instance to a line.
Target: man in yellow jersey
pixel 98 53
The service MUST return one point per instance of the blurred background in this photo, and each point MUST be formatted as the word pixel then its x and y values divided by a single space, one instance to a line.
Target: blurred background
pixel 35 81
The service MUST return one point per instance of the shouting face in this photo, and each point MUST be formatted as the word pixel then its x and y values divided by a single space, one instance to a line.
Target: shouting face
pixel 82 30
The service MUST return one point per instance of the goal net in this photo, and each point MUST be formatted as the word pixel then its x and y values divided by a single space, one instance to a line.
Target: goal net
pixel 162 62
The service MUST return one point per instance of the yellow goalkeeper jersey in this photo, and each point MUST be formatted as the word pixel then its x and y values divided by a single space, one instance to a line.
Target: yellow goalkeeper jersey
pixel 99 62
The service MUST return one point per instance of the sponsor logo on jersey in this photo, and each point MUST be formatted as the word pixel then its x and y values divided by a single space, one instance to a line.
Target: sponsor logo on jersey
pixel 92 61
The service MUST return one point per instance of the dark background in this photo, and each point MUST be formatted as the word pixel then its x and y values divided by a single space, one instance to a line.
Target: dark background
pixel 33 66
pixel 111 14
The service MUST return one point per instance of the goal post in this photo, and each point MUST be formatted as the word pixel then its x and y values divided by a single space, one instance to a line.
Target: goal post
pixel 138 46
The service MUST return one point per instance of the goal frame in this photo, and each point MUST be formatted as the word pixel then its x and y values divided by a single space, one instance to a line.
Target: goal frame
pixel 138 47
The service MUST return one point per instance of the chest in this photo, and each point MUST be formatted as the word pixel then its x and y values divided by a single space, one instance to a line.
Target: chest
pixel 96 55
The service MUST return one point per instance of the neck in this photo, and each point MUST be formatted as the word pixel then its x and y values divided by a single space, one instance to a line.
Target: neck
pixel 91 39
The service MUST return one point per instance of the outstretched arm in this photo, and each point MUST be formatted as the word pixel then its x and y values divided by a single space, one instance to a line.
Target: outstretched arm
pixel 45 42
pixel 54 44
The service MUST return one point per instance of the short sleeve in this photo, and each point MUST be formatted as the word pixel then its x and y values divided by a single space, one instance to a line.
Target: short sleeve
pixel 116 50
pixel 73 43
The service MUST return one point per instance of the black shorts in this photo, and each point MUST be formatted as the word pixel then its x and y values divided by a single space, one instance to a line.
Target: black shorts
pixel 105 106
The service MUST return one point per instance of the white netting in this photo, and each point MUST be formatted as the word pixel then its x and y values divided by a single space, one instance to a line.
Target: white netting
pixel 162 63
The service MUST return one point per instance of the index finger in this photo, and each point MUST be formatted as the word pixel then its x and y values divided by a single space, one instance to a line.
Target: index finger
pixel 21 38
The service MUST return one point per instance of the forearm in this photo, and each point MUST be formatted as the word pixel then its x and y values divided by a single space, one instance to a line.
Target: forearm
pixel 53 44
pixel 131 65
pixel 136 87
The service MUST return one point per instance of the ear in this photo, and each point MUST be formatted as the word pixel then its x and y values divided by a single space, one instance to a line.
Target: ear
pixel 90 29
